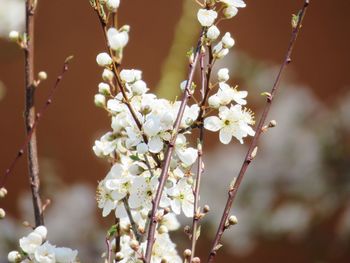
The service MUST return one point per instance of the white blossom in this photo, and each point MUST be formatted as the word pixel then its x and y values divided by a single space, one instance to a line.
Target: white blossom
pixel 223 75
pixel 232 122
pixel 230 12
pixel 182 198
pixel 206 17
pixel 65 255
pixel 228 41
pixel 130 75
pixel 112 5
pixel 45 253
pixel 117 40
pixel 31 242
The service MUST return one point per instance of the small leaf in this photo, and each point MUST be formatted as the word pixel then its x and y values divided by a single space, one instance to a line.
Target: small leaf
pixel 198 232
pixel 267 94
pixel 112 230
pixel 295 19
pixel 135 157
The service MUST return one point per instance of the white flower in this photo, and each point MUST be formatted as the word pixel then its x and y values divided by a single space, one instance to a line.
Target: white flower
pixel 14 256
pixel 232 122
pixel 112 5
pixel 223 75
pixel 105 146
pixel 230 12
pixel 130 75
pixel 117 39
pixel 107 75
pixel 65 255
pixel 142 192
pixel 214 102
pixel 170 222
pixel 206 17
pixel 187 155
pixel 182 198
pixel 45 253
pixel 213 33
pixel 228 41
pixel 227 94
pixel 105 199
pixel 30 243
pixel 219 51
pixel 103 59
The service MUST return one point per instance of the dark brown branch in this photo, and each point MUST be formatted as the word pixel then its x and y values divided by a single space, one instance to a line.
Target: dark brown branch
pixel 37 119
pixel 248 159
pixel 166 162
pixel 33 163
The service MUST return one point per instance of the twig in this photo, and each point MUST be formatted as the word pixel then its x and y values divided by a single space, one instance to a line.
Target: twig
pixel 200 167
pixel 166 162
pixel 109 250
pixel 132 221
pixel 37 119
pixel 249 157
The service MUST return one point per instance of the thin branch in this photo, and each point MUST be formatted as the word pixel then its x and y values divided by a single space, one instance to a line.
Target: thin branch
pixel 249 157
pixel 166 162
pixel 205 80
pixel 132 221
pixel 38 118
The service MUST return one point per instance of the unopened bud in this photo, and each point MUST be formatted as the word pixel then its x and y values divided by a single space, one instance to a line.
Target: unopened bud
pixel 187 229
pixel 272 124
pixel 26 224
pixel 119 256
pixel 14 256
pixel 2 213
pixel 125 28
pixel 196 260
pixel 134 244
pixel 104 88
pixel 14 36
pixel 3 192
pixel 187 253
pixel 42 75
pixel 232 220
pixel 206 209
pixel 100 100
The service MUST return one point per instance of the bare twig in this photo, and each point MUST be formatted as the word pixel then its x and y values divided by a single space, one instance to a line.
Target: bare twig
pixel 166 162
pixel 249 157
pixel 37 119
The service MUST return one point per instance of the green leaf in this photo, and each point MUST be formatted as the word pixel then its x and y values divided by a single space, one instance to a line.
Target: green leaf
pixel 112 230
pixel 135 157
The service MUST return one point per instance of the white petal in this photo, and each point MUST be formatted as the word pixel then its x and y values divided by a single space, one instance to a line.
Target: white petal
pixel 155 144
pixel 212 123
pixel 225 135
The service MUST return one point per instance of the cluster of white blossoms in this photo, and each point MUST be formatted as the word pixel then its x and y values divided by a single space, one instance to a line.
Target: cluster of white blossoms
pixel 141 131
pixel 34 248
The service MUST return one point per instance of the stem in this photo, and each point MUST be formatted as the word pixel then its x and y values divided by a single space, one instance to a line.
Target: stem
pixel 168 154
pixel 38 118
pixel 33 164
pixel 132 221
pixel 248 159
pixel 200 167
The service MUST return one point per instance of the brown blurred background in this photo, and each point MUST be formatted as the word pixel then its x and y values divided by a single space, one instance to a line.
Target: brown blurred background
pixel 66 134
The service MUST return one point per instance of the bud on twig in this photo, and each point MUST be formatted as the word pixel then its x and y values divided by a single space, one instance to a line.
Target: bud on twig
pixel 3 192
pixel 2 213
pixel 196 260
pixel 206 209
pixel 232 220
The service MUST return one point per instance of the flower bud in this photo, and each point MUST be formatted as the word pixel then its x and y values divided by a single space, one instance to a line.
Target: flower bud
pixel 223 75
pixel 213 33
pixel 112 5
pixel 107 75
pixel 104 88
pixel 103 59
pixel 125 28
pixel 42 75
pixel 14 256
pixel 230 12
pixel 2 213
pixel 139 87
pixel 232 220
pixel 134 245
pixel 214 102
pixel 272 124
pixel 206 209
pixel 187 253
pixel 42 231
pixel 3 192
pixel 100 100
pixel 228 41
pixel 196 260
pixel 14 36
pixel 119 256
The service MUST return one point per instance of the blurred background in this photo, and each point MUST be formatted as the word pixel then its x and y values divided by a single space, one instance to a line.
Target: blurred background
pixel 294 203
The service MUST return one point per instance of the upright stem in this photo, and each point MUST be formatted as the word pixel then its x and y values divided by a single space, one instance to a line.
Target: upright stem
pixel 248 159
pixel 200 164
pixel 33 165
pixel 166 162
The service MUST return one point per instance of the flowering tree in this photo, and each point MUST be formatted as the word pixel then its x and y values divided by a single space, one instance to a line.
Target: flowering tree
pixel 155 171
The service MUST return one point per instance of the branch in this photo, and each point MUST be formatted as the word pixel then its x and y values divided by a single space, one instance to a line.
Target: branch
pixel 167 157
pixel 37 119
pixel 132 221
pixel 250 154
